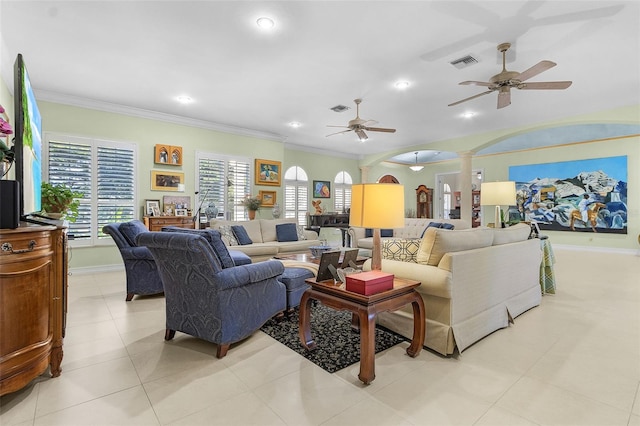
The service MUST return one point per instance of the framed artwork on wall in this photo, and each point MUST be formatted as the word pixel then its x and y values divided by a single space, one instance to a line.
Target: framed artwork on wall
pixel 167 181
pixel 180 201
pixel 268 172
pixel 168 154
pixel 268 198
pixel 321 189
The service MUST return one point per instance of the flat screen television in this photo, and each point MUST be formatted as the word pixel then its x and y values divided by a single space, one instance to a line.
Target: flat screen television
pixel 27 142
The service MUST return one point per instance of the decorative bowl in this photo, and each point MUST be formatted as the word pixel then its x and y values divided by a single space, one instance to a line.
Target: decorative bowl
pixel 316 251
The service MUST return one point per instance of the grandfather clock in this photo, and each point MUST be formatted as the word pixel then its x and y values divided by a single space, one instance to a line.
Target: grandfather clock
pixel 424 202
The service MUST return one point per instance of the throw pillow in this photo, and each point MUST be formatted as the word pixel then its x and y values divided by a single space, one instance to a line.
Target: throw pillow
pixel 301 235
pixel 287 232
pixel 512 234
pixel 368 232
pixel 241 235
pixel 405 250
pixel 447 226
pixel 437 242
pixel 227 235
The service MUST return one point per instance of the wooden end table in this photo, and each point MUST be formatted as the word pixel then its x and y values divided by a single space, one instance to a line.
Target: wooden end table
pixel 364 310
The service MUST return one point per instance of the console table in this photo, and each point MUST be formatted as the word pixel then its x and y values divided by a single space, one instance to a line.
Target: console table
pixel 329 220
pixel 156 223
pixel 33 301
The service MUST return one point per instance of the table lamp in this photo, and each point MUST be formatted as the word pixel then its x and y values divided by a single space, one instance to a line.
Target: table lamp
pixel 497 194
pixel 377 205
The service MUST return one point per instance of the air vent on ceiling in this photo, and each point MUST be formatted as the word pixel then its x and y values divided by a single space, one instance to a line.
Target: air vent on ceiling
pixel 464 62
pixel 339 108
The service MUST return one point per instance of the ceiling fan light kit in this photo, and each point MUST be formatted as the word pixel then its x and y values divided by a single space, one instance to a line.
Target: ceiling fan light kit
pixel 507 80
pixel 358 125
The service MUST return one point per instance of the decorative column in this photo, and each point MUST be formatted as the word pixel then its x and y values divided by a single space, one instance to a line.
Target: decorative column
pixel 466 211
pixel 364 174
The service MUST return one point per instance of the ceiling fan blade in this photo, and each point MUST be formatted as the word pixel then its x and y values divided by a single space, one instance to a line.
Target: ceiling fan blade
pixel 546 85
pixel 361 135
pixel 337 133
pixel 329 125
pixel 380 129
pixel 476 83
pixel 535 70
pixel 472 97
pixel 504 97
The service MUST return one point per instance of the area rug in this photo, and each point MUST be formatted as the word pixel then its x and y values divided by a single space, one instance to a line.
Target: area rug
pixel 337 345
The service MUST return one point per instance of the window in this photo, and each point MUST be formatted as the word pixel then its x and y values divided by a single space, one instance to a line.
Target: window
pixel 296 194
pixel 224 181
pixel 104 171
pixel 342 191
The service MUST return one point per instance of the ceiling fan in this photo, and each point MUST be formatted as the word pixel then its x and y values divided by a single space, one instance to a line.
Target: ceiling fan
pixel 359 125
pixel 506 80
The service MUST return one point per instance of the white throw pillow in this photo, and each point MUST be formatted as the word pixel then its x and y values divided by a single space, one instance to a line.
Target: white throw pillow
pixel 512 234
pixel 437 242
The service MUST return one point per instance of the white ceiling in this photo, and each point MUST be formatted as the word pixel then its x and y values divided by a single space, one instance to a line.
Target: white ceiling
pixel 143 54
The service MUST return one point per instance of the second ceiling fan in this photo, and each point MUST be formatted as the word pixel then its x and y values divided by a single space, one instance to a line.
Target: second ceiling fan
pixel 359 125
pixel 506 80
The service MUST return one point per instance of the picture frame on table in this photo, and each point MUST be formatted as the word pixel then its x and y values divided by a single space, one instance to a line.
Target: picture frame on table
pixel 181 212
pixel 268 198
pixel 167 181
pixel 151 206
pixel 321 189
pixel 268 172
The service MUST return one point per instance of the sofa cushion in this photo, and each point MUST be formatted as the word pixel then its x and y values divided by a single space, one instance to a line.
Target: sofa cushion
pixel 241 235
pixel 401 249
pixel 512 234
pixel 287 232
pixel 130 231
pixel 437 242
pixel 268 228
pixel 227 235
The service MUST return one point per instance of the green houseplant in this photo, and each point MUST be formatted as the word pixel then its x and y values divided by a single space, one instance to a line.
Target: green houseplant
pixel 60 200
pixel 252 204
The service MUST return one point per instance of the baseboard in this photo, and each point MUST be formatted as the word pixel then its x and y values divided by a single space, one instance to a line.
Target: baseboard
pixel 611 250
pixel 95 269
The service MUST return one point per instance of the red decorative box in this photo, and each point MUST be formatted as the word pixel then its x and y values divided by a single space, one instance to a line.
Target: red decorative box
pixel 369 283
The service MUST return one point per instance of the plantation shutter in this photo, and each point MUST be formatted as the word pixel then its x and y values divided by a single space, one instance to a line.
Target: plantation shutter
pixel 212 184
pixel 115 185
pixel 224 182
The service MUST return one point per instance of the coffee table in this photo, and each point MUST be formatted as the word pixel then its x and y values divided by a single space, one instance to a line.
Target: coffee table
pixel 307 258
pixel 364 310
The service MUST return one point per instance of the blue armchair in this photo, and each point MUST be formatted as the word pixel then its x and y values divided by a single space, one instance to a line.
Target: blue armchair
pixel 237 257
pixel 142 273
pixel 205 300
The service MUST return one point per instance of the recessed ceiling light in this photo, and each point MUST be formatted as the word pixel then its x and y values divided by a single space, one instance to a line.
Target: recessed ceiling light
pixel 265 23
pixel 295 124
pixel 401 85
pixel 184 99
pixel 468 114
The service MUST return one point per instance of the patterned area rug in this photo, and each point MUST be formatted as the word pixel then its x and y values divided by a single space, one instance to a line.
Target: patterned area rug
pixel 337 345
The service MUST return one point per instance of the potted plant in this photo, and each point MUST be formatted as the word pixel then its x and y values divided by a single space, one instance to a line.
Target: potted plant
pixel 252 204
pixel 60 202
pixel 6 153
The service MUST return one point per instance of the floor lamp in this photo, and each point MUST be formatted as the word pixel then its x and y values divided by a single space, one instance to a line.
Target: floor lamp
pixel 377 205
pixel 498 194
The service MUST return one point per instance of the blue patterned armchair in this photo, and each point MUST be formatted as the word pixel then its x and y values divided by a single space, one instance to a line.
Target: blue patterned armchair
pixel 206 300
pixel 141 269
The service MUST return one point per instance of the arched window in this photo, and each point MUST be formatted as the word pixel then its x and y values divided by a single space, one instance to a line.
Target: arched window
pixel 296 194
pixel 342 191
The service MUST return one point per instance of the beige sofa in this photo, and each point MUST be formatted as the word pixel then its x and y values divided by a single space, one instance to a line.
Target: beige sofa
pixel 413 228
pixel 474 282
pixel 263 234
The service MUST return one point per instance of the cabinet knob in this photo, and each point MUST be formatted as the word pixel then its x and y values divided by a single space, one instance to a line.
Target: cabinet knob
pixel 8 247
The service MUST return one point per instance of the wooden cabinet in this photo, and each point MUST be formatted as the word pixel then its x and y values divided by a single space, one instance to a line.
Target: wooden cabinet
pixel 33 303
pixel 475 206
pixel 424 202
pixel 156 223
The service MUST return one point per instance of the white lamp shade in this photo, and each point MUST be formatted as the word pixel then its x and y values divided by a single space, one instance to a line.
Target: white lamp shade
pixel 497 193
pixel 377 205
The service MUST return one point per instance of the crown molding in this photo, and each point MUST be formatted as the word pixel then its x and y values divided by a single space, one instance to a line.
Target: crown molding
pixel 54 97
pixel 321 151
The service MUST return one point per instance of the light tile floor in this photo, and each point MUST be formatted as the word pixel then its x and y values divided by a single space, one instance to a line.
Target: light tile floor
pixel 574 360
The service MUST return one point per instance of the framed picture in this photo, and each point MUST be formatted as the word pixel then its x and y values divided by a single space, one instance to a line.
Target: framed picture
pixel 181 212
pixel 169 209
pixel 151 206
pixel 321 189
pixel 268 198
pixel 168 154
pixel 167 181
pixel 268 172
pixel 180 201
